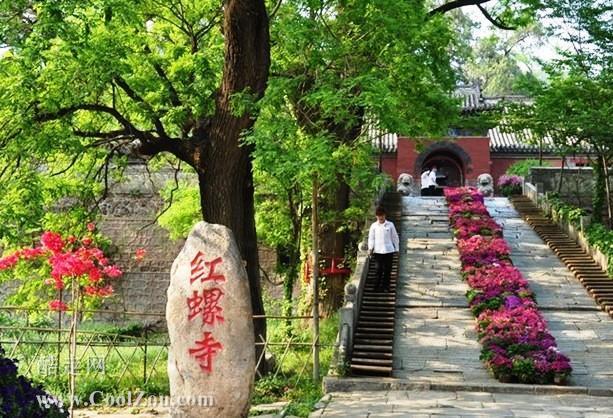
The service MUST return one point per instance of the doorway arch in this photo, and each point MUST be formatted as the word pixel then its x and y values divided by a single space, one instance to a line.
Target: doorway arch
pixel 451 160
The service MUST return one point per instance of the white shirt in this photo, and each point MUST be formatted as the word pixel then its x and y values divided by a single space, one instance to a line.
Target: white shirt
pixel 432 176
pixel 425 179
pixel 383 238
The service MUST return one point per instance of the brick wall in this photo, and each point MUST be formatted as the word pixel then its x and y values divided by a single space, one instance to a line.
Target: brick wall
pixel 477 148
pixel 501 163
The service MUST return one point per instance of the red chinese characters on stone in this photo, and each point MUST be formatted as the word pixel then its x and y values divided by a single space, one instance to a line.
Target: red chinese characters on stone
pixel 205 350
pixel 205 270
pixel 206 304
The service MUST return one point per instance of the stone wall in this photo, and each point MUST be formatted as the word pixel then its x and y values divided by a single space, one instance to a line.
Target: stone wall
pixel 128 220
pixel 577 183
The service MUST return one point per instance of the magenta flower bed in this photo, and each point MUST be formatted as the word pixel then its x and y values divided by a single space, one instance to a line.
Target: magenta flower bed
pixel 516 343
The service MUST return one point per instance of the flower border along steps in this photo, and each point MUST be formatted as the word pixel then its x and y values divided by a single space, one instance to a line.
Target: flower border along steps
pixel 597 282
pixel 374 335
pixel 517 345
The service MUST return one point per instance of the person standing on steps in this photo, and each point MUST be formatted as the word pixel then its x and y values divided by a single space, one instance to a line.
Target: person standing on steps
pixel 432 185
pixel 383 243
pixel 428 182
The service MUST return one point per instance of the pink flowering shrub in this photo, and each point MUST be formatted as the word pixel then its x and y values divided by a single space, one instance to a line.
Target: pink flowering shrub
pixel 510 185
pixel 462 194
pixel 517 345
pixel 464 228
pixel 479 250
pixel 68 262
pixel 467 210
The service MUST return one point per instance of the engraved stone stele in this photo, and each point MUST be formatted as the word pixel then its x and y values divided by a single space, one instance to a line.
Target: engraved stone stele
pixel 211 354
pixel 485 184
pixel 405 184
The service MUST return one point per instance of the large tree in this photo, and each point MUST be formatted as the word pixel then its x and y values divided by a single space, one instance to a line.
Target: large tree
pixel 181 77
pixel 574 105
pixel 152 76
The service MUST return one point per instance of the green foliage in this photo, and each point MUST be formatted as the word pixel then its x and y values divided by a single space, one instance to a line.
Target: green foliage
pixel 565 211
pixel 184 210
pixel 299 389
pixel 522 168
pixel 115 58
pixel 601 237
pixel 599 191
pixel 597 234
pixel 21 397
pixel 573 107
pixel 524 369
pixel 500 66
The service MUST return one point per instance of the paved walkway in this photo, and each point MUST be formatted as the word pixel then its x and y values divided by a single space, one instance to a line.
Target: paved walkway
pixel 417 404
pixel 435 338
pixel 435 342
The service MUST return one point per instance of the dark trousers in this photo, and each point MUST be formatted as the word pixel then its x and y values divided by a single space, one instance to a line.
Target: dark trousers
pixel 384 269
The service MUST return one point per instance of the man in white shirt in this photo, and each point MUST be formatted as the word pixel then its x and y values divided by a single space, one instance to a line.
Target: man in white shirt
pixel 383 242
pixel 425 182
pixel 432 177
pixel 428 182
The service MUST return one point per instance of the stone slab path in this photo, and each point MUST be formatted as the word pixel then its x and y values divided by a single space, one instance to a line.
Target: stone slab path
pixel 435 338
pixel 435 343
pixel 418 404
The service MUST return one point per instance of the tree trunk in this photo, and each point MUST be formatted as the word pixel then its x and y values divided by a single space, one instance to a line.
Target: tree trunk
pixel 224 167
pixel 561 175
pixel 598 191
pixel 607 183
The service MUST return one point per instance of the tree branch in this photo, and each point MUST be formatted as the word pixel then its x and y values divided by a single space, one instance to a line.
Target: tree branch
pixel 174 95
pixel 174 189
pixel 149 144
pixel 101 135
pixel 275 9
pixel 494 21
pixel 456 4
pixel 49 116
pixel 137 98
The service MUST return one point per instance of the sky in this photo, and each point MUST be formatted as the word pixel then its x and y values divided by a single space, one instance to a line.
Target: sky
pixel 545 51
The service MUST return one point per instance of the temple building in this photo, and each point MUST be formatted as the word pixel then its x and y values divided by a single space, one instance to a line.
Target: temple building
pixel 465 154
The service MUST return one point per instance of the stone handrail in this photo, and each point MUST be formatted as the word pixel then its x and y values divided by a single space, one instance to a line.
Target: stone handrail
pixel 575 232
pixel 348 314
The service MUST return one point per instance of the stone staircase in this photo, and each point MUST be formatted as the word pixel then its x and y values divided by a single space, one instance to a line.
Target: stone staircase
pixel 597 282
pixel 436 368
pixel 374 334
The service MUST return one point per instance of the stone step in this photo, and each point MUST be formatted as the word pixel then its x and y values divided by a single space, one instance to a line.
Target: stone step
pixel 387 304
pixel 375 370
pixel 367 332
pixel 369 324
pixel 374 341
pixel 372 361
pixel 373 355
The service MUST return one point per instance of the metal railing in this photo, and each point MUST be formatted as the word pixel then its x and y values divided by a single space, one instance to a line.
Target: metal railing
pixel 137 353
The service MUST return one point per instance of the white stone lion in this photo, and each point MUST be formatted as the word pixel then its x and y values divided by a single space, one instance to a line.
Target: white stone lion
pixel 485 184
pixel 405 184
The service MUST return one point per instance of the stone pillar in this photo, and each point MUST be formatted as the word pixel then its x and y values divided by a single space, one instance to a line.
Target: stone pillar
pixel 211 362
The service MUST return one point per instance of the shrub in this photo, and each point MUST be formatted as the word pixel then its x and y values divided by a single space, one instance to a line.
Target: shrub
pixel 510 185
pixel 20 398
pixel 516 343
